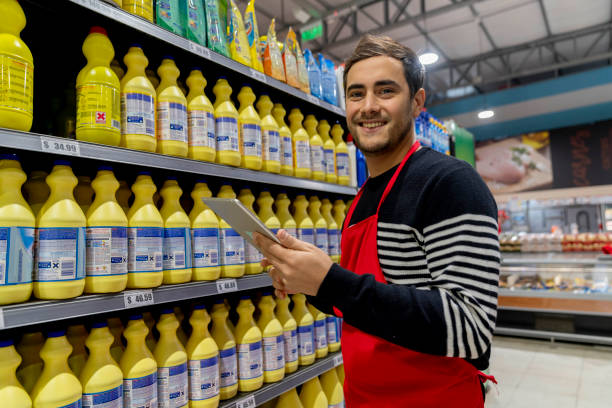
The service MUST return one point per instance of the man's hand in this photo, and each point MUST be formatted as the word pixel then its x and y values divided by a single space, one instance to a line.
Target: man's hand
pixel 297 266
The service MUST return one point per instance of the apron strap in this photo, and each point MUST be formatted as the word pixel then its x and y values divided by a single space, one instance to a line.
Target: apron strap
pixel 391 182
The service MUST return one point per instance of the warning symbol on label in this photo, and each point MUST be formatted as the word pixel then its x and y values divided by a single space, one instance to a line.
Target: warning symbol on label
pixel 101 117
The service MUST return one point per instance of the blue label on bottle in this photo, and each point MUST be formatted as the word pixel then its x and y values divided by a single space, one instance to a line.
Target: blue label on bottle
pixel 60 254
pixel 75 404
pixel 16 255
pixel 106 399
pixel 177 248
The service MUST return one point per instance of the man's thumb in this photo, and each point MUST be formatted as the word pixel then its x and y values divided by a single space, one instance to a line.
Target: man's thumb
pixel 289 241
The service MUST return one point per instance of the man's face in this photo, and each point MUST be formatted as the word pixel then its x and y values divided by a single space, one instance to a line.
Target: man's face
pixel 378 104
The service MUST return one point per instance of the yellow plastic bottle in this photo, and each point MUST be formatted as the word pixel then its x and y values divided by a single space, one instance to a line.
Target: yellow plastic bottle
pixel 180 333
pixel 283 214
pixel 333 335
pixel 171 111
pixel 123 196
pixel 203 355
pixel 76 335
pixel 320 225
pixel 98 92
pixel 270 136
pixel 17 65
pixel 329 152
pixel 141 8
pixel 204 236
pixel 339 215
pixel 101 378
pixel 152 77
pixel 252 256
pixel 145 232
pixel 171 357
pixel 116 328
pixel 305 328
pixel 228 363
pixel 83 193
pixel 273 340
pixel 301 145
pixel 59 271
pixel 37 190
pixel 342 158
pixel 31 364
pixel 57 386
pixel 231 244
pixel 12 393
pixel 248 345
pixel 320 331
pixel 265 201
pixel 201 119
pixel 317 159
pixel 16 234
pixel 117 69
pixel 348 206
pixel 289 399
pixel 177 235
pixel 138 100
pixel 150 322
pixel 249 130
pixel 286 140
pixel 106 237
pixel 305 226
pixel 332 230
pixel 312 395
pixel 139 367
pixel 340 372
pixel 290 335
pixel 332 389
pixel 226 125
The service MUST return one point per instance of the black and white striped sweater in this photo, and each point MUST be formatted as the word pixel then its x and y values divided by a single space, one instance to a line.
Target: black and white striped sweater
pixel 438 249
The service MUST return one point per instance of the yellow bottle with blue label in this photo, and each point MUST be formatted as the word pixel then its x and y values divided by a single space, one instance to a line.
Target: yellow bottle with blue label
pixel 290 335
pixel 57 385
pixel 312 395
pixel 98 117
pixel 145 236
pixel 76 335
pixel 339 212
pixel 286 140
pixel 248 346
pixel 289 399
pixel 116 328
pixel 329 152
pixel 249 130
pixel 320 225
pixel 101 378
pixel 305 329
pixel 123 196
pixel 83 193
pixel 138 101
pixel 31 364
pixel 180 333
pixel 283 214
pixel 200 118
pixel 320 331
pixel 270 136
pixel 332 230
pixel 301 145
pixel 138 366
pixel 333 333
pixel 265 201
pixel 204 236
pixel 252 256
pixel 304 224
pixel 317 159
pixel 16 234
pixel 177 235
pixel 231 244
pixel 36 189
pixel 141 8
pixel 226 125
pixel 332 388
pixel 150 322
pixel 272 340
pixel 106 237
pixel 12 393
pixel 171 127
pixel 342 157
pixel 59 271
pixel 228 363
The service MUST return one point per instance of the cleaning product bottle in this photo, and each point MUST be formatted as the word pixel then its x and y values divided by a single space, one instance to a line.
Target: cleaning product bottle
pixel 271 148
pixel 36 189
pixel 106 237
pixel 57 386
pixel 171 357
pixel 312 395
pixel 287 222
pixel 31 364
pixel 101 378
pixel 339 212
pixel 168 16
pixel 305 226
pixel 333 335
pixel 248 345
pixel 289 399
pixel 290 336
pixel 320 331
pixel 17 87
pixel 180 333
pixel 177 235
pixel 138 101
pixel 301 145
pixel 145 232
pixel 98 92
pixel 150 340
pixel 226 125
pixel 273 341
pixel 117 69
pixel 340 372
pixel 139 367
pixel 193 19
pixel 200 116
pixel 352 155
pixel 231 244
pixel 342 158
pixel 252 256
pixel 141 8
pixel 83 193
pixel 12 393
pixel 16 234
pixel 116 328
pixel 249 130
pixel 203 355
pixel 123 196
pixel 286 140
pixel 237 38
pixel 76 335
pixel 60 239
pixel 332 230
pixel 171 111
pixel 305 329
pixel 228 364
pixel 320 225
pixel 266 214
pixel 204 236
pixel 317 159
pixel 329 152
pixel 332 388
pixel 152 77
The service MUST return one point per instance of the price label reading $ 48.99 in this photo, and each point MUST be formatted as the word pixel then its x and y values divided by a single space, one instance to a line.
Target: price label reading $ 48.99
pixel 248 402
pixel 137 298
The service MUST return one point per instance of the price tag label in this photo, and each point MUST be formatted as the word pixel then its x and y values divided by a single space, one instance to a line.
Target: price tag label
pixel 137 298
pixel 314 99
pixel 1 318
pixel 248 402
pixel 227 285
pixel 199 49
pixel 53 145
pixel 260 76
pixel 338 360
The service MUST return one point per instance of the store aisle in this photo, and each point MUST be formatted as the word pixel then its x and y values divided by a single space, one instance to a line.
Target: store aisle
pixel 533 373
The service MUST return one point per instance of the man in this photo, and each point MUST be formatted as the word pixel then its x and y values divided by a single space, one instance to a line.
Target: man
pixel 417 284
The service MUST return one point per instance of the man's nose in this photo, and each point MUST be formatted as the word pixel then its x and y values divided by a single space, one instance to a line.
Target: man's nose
pixel 370 104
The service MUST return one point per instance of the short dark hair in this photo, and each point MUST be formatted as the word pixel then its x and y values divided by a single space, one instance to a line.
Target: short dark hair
pixel 380 45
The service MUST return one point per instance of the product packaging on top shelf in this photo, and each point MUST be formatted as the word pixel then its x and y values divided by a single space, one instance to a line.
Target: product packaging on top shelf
pixel 193 19
pixel 252 33
pixel 168 16
pixel 328 80
pixel 302 72
pixel 314 74
pixel 217 38
pixel 289 60
pixel 272 59
pixel 239 46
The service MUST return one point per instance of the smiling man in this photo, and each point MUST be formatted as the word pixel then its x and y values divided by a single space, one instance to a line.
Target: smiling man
pixel 418 280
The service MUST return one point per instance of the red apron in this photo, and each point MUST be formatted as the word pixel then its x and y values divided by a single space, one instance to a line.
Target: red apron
pixel 381 374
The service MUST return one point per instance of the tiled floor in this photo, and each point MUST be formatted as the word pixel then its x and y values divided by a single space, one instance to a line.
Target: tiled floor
pixel 541 374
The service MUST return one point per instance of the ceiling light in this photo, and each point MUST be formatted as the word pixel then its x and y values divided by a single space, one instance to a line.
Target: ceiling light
pixel 428 58
pixel 301 15
pixel 486 114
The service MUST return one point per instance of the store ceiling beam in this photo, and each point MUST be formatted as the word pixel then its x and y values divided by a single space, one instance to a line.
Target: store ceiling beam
pixel 594 43
pixel 547 26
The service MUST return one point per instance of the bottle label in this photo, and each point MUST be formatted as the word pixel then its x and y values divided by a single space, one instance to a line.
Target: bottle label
pixel 287 152
pixel 305 340
pixel 338 405
pixel 177 248
pixel 320 238
pixel 292 232
pixel 172 121
pixel 140 392
pixel 250 360
pixel 201 128
pixel 145 252
pixel 320 334
pixel 203 378
pixel 251 254
pixel 316 158
pixel 271 145
pixel 302 154
pixel 306 235
pixel 291 345
pixel 228 367
pixel 98 107
pixel 226 130
pixel 112 398
pixel 232 247
pixel 273 353
pixel 332 330
pixel 250 134
pixel 205 244
pixel 16 255
pixel 172 386
pixel 330 163
pixel 339 321
pixel 76 404
pixel 342 164
pixel 17 84
pixel 138 114
pixel 332 241
pixel 60 254
pixel 107 251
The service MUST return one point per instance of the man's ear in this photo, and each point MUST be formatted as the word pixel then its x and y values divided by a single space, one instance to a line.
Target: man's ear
pixel 419 102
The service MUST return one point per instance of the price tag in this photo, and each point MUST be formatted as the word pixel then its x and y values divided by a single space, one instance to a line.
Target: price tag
pixel 248 402
pixel 227 285
pixel 314 99
pixel 199 49
pixel 1 318
pixel 338 360
pixel 53 145
pixel 260 76
pixel 137 298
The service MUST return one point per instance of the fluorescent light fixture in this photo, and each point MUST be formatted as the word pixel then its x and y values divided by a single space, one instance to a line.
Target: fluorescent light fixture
pixel 301 15
pixel 428 58
pixel 486 114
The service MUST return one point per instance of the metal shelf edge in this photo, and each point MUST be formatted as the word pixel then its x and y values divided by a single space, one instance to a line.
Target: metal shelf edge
pixel 540 334
pixel 555 295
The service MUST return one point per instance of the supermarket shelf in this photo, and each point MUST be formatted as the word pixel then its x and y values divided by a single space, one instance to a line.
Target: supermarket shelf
pixel 14 139
pixel 573 260
pixel 40 311
pixel 270 391
pixel 554 294
pixel 595 304
pixel 552 336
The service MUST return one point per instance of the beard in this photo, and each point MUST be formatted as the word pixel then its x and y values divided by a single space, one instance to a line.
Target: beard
pixel 396 135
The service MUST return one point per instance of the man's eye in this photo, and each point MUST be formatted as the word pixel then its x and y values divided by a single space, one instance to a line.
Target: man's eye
pixel 386 91
pixel 356 94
